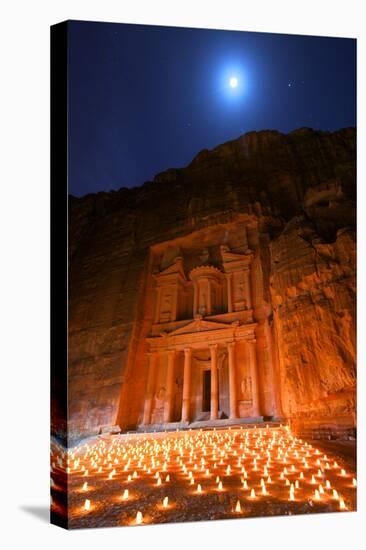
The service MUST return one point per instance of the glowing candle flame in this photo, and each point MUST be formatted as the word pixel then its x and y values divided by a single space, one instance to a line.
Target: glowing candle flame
pixel 87 504
pixel 238 507
pixel 342 505
pixel 354 482
pixel 199 488
pixel 139 518
pixel 252 493
pixel 165 502
pixel 85 486
pixel 220 486
pixel 316 495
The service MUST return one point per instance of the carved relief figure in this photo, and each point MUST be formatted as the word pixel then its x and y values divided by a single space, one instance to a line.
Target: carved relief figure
pixel 203 306
pixel 246 388
pixel 167 302
pixel 160 398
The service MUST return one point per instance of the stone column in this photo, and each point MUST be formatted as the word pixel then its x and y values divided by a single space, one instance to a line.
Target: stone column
pixel 209 298
pixel 195 299
pixel 214 384
pixel 157 306
pixel 232 379
pixel 229 292
pixel 175 304
pixel 149 388
pixel 169 387
pixel 186 384
pixel 254 377
pixel 247 290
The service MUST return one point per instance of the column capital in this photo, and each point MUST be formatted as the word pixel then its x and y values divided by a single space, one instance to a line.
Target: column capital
pixel 187 351
pixel 231 345
pixel 172 351
pixel 213 346
pixel 228 275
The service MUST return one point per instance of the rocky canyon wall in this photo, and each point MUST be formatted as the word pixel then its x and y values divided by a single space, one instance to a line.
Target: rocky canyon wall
pixel 299 190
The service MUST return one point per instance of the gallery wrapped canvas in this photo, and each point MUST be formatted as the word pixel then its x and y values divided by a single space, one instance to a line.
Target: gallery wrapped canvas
pixel 203 274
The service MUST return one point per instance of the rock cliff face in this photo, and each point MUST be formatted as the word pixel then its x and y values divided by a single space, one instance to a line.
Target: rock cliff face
pixel 299 191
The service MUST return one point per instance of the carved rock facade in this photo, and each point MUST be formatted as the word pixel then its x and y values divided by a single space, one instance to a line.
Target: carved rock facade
pixel 241 265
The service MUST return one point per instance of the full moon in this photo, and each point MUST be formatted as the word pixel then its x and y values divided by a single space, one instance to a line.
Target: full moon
pixel 233 82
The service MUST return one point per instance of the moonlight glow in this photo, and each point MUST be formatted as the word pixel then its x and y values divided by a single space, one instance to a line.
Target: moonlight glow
pixel 233 82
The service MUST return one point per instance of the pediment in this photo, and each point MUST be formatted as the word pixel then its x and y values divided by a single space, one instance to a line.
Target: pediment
pixel 175 268
pixel 199 325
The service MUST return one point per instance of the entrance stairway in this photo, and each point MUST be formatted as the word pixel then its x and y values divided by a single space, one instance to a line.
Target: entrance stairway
pixel 208 424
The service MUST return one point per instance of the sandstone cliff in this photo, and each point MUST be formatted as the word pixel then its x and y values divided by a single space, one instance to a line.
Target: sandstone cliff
pixel 300 188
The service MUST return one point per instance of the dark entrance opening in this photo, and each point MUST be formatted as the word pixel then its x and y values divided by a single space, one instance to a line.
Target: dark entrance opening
pixel 206 398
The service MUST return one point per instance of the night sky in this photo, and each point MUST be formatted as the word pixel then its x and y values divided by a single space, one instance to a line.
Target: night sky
pixel 143 99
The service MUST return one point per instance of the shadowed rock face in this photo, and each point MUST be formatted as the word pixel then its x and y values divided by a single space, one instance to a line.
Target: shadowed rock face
pixel 299 192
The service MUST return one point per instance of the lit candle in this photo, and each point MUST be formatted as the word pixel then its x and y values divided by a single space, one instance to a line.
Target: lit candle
pixel 125 494
pixel 85 486
pixel 87 504
pixel 238 507
pixel 138 518
pixel 165 502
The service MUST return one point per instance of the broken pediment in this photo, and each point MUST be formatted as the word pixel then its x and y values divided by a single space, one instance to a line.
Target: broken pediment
pixel 228 256
pixel 199 325
pixel 176 268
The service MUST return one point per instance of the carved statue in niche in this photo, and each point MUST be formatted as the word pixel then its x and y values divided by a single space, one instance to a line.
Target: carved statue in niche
pixel 160 398
pixel 246 388
pixel 240 290
pixel 158 409
pixel 203 304
pixel 167 303
pixel 240 295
